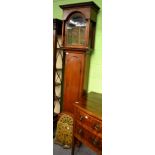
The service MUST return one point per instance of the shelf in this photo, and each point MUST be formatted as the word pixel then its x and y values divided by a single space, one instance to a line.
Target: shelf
pixel 57 97
pixel 58 84
pixel 59 48
pixel 58 60
pixel 58 69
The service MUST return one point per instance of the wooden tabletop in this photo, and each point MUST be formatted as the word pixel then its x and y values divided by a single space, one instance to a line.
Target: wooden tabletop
pixel 92 104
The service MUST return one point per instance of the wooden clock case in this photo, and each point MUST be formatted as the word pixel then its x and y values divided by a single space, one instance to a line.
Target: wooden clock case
pixel 78 36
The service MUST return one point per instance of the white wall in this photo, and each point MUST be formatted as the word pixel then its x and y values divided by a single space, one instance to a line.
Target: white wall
pixel 128 77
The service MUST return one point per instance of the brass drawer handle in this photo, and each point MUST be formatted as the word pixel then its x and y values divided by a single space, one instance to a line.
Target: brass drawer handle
pixel 97 127
pixel 95 141
pixel 81 117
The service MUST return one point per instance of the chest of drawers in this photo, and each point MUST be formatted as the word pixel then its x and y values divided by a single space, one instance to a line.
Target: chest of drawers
pixel 88 122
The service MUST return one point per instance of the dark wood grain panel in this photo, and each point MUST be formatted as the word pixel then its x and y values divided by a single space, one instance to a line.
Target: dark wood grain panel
pixel 88 121
pixel 88 126
pixel 73 79
pixel 88 138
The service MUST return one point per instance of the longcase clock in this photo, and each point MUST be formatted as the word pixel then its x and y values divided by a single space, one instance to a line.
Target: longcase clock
pixel 78 35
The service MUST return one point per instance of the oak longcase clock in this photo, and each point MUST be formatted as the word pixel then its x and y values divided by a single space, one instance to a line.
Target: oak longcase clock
pixel 78 35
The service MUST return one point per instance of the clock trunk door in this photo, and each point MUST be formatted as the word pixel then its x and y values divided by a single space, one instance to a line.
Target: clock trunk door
pixel 74 65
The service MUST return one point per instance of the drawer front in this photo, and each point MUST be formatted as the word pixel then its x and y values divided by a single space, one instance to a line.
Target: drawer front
pixel 89 121
pixel 88 137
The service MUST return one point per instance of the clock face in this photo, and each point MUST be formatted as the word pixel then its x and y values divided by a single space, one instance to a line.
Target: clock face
pixel 75 30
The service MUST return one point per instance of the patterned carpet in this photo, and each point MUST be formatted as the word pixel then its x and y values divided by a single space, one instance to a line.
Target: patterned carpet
pixel 83 150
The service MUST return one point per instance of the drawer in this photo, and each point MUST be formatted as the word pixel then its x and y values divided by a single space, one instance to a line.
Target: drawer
pixel 88 137
pixel 88 120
